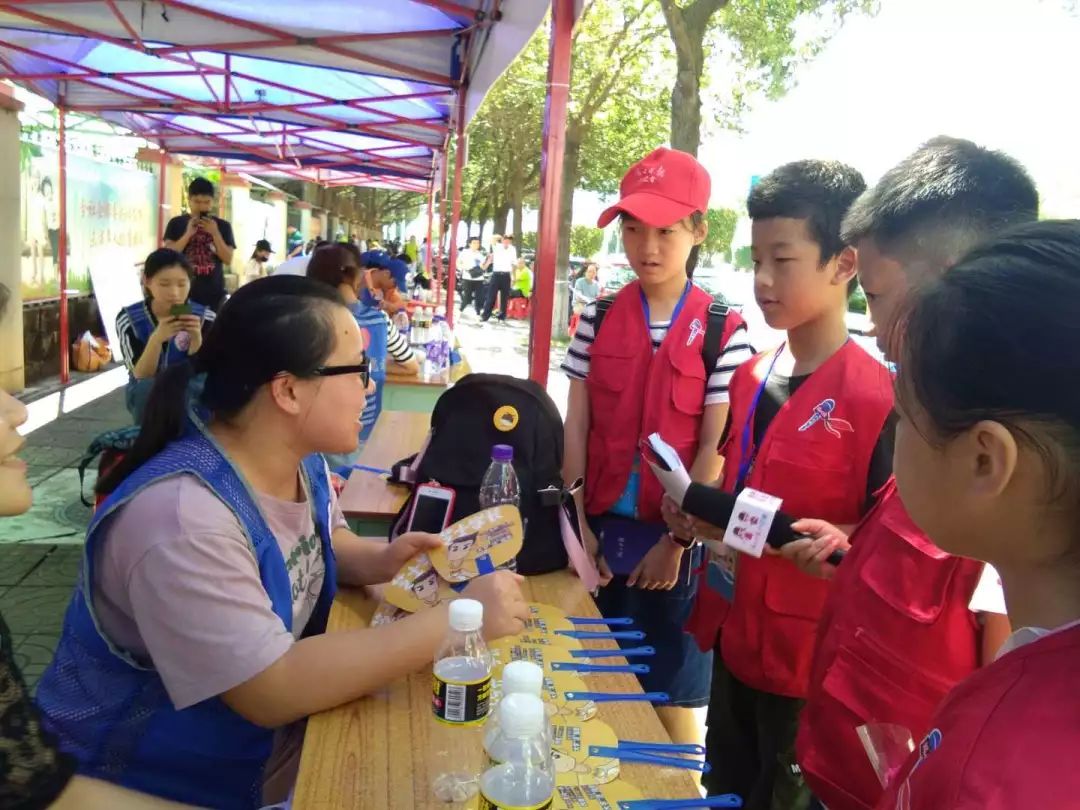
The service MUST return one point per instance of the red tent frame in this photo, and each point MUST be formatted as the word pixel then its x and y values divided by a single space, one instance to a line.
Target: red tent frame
pixel 406 161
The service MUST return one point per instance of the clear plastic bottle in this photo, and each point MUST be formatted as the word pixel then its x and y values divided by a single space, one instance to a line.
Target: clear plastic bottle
pixel 461 697
pixel 441 339
pixel 526 777
pixel 402 322
pixel 518 678
pixel 500 484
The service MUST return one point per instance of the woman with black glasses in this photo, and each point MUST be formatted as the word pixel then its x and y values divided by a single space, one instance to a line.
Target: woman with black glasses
pixel 194 643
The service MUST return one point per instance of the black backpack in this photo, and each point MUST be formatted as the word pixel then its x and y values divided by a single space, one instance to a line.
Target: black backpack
pixel 463 431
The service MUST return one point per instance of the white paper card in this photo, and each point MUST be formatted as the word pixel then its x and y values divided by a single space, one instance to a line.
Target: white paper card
pixel 750 521
pixel 989 596
pixel 675 480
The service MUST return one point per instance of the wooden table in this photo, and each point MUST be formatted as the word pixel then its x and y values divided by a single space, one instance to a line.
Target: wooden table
pixel 419 391
pixel 397 435
pixel 372 753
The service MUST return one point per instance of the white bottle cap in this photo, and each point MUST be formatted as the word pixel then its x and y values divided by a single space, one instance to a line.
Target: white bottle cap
pixel 466 615
pixel 522 677
pixel 522 716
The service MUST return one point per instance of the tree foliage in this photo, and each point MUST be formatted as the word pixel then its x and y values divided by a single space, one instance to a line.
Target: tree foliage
pixel 722 222
pixel 585 241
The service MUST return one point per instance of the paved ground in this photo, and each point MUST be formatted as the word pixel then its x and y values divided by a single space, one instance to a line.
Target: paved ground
pixel 40 551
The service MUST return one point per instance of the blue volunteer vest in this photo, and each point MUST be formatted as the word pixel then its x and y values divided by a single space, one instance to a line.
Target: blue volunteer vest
pixel 372 323
pixel 115 716
pixel 141 320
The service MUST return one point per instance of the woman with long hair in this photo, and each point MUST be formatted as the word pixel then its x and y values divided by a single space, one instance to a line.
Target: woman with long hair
pixel 197 629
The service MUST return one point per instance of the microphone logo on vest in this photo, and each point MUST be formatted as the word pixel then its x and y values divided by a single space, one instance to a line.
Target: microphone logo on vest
pixel 696 330
pixel 823 413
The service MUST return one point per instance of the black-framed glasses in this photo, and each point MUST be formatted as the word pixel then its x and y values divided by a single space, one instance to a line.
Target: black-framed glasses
pixel 363 369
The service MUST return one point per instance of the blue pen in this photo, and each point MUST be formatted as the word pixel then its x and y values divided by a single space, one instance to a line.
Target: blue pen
pixel 365 468
pixel 648 759
pixel 661 748
pixel 620 697
pixel 629 635
pixel 574 666
pixel 627 653
pixel 726 800
pixel 623 622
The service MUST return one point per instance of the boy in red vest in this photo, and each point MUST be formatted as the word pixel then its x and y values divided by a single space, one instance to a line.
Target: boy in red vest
pixel 660 363
pixel 808 426
pixel 988 466
pixel 899 628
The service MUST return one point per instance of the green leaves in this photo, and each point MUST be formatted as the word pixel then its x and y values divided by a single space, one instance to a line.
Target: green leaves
pixel 722 222
pixel 585 241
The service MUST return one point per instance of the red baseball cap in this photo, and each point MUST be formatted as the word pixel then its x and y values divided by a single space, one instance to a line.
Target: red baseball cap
pixel 662 188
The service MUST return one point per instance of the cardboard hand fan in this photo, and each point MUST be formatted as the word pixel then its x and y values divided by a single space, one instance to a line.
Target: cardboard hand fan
pixel 594 797
pixel 570 744
pixel 479 544
pixel 417 586
pixel 551 623
pixel 386 613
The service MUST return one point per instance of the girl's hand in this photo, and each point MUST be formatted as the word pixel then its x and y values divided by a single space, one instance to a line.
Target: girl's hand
pixel 192 324
pixel 811 555
pixel 592 548
pixel 678 521
pixel 659 568
pixel 505 608
pixel 167 329
pixel 404 547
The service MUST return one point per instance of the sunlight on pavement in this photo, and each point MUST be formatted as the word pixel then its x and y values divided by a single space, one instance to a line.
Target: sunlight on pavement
pixel 47 409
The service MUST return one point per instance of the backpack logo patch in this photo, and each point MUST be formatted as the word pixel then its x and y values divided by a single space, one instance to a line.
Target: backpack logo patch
pixel 823 414
pixel 506 418
pixel 696 330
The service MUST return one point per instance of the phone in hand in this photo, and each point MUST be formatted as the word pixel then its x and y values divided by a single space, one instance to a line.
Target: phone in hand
pixel 177 310
pixel 432 509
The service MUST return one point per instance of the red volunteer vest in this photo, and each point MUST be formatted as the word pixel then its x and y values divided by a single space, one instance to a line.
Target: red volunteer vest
pixel 634 392
pixel 1004 739
pixel 819 467
pixel 896 635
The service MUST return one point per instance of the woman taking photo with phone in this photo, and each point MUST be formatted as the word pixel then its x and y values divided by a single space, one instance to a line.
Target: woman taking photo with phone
pixel 195 641
pixel 163 329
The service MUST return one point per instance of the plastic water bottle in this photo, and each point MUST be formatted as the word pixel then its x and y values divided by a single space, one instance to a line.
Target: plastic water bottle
pixel 402 322
pixel 518 678
pixel 500 485
pixel 461 697
pixel 438 352
pixel 525 777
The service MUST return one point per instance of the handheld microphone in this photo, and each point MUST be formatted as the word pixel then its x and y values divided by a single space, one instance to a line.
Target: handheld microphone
pixel 717 507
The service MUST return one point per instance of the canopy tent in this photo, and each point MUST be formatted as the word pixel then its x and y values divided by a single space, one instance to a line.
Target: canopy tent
pixel 340 92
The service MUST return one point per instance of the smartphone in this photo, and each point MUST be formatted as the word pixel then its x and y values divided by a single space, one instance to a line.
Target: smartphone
pixel 432 509
pixel 180 309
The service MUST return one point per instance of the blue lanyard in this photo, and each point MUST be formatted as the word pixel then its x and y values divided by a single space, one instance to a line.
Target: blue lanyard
pixel 674 314
pixel 746 458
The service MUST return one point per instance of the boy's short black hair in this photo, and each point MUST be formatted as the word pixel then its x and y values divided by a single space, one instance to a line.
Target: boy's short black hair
pixel 942 200
pixel 819 191
pixel 200 187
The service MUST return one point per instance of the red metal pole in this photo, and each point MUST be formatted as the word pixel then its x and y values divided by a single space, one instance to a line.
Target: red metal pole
pixel 455 203
pixel 444 172
pixel 551 168
pixel 161 199
pixel 430 224
pixel 65 373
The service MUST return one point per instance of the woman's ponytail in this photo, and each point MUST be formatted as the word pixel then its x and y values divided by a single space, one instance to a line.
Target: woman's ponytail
pixel 163 422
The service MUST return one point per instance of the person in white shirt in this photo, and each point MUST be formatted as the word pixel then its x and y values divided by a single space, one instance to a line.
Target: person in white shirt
pixel 501 259
pixel 470 270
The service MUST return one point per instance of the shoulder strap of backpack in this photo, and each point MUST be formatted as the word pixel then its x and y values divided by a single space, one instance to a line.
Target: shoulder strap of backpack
pixel 602 307
pixel 714 333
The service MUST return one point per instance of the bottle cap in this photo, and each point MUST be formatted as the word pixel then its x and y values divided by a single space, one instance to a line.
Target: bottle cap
pixel 522 716
pixel 502 452
pixel 466 615
pixel 440 311
pixel 522 677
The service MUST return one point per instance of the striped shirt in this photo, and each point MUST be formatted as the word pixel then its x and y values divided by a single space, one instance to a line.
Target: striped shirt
pixel 132 347
pixel 397 347
pixel 737 351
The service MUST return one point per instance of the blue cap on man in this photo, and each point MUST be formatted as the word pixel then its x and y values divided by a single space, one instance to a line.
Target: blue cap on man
pixel 400 272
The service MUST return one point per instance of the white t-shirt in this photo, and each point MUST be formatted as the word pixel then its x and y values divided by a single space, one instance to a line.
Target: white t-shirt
pixel 503 258
pixel 296 266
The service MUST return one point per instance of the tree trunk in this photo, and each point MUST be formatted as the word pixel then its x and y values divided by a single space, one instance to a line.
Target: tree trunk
pixel 502 213
pixel 686 97
pixel 517 206
pixel 570 178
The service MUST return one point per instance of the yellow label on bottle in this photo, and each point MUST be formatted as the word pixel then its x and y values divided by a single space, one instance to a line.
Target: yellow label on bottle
pixel 460 704
pixel 488 804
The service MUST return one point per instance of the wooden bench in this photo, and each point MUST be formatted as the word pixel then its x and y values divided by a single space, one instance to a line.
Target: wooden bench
pixel 367 495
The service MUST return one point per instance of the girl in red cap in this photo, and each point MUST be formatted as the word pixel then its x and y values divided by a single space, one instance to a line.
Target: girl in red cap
pixel 660 364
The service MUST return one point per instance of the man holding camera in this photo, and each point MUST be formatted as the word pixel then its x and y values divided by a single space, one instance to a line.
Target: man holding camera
pixel 207 242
